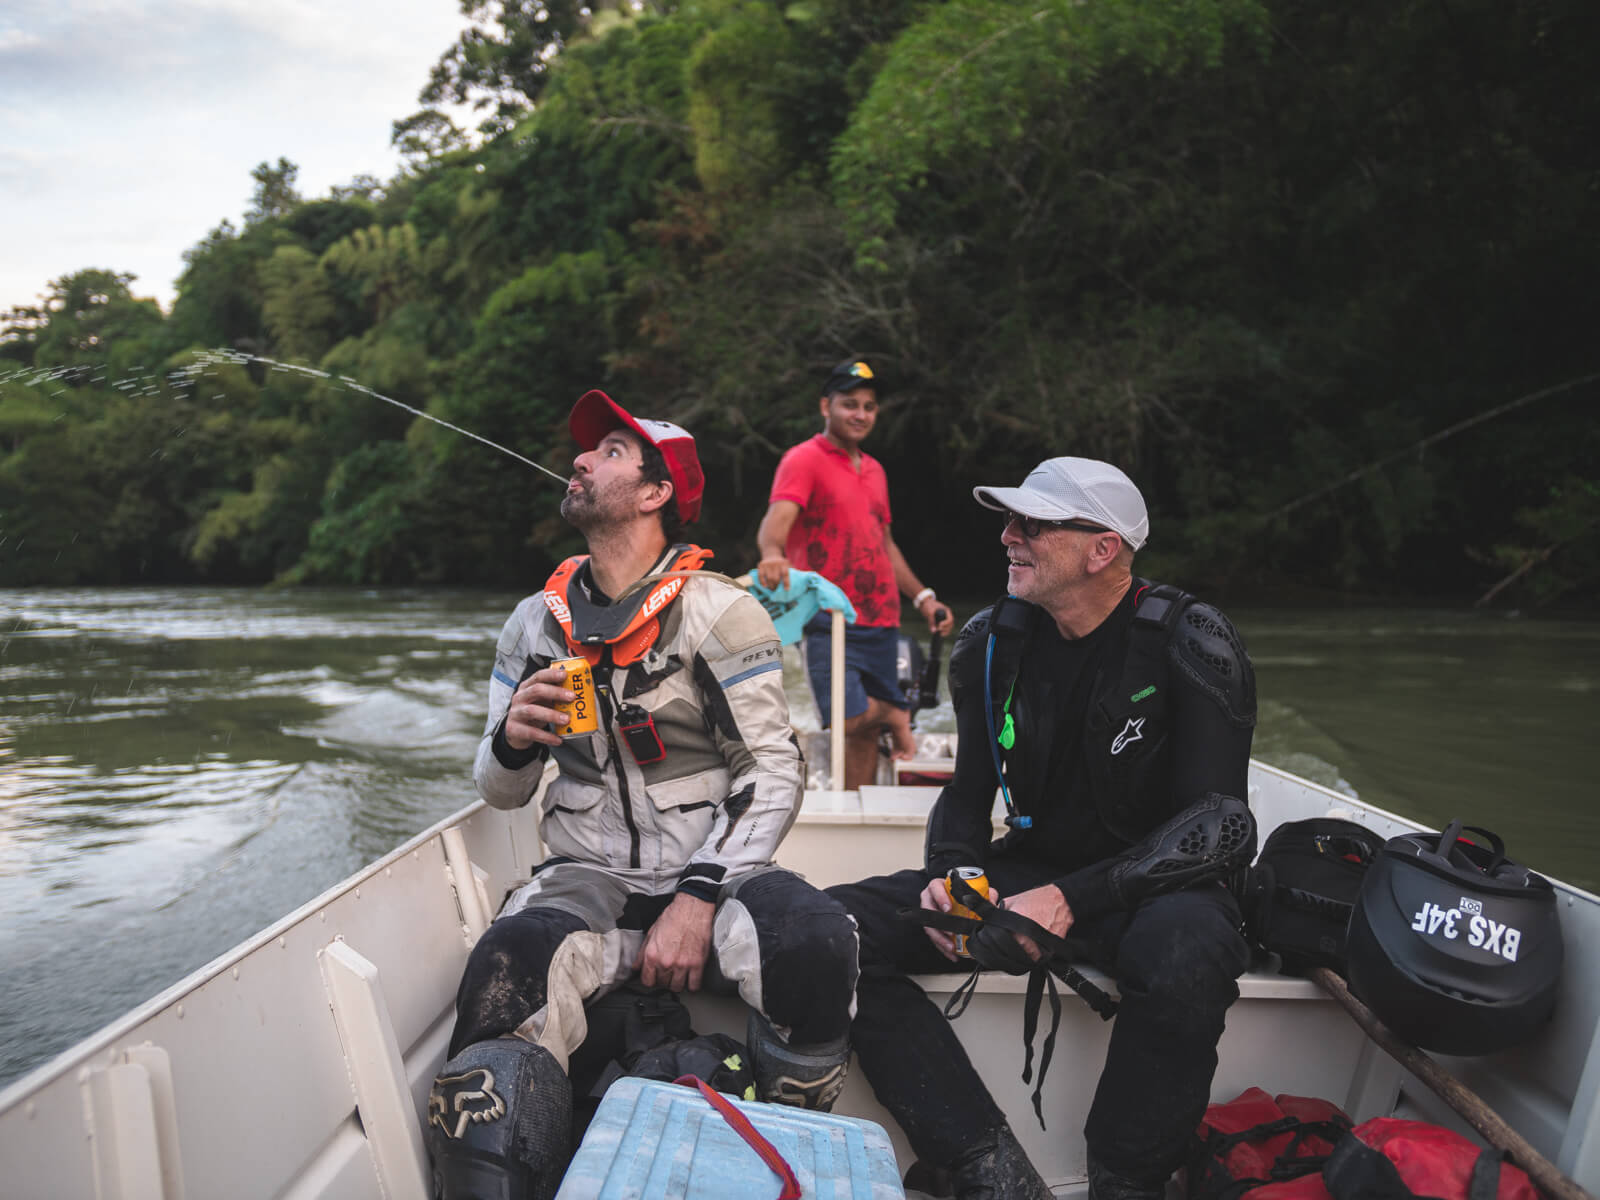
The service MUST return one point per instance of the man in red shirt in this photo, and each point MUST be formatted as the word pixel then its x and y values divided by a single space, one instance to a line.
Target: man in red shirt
pixel 829 513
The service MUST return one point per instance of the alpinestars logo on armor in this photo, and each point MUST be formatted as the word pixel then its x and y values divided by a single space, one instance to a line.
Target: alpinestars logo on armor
pixel 456 1101
pixel 1133 731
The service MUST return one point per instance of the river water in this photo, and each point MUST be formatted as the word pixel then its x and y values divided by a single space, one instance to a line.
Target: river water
pixel 179 768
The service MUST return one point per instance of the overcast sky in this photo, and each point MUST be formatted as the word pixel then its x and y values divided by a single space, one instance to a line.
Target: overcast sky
pixel 129 128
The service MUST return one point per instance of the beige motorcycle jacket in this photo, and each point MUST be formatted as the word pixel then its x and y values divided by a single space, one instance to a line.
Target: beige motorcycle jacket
pixel 728 786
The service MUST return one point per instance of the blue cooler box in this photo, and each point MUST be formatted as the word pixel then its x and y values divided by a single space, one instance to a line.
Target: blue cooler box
pixel 663 1141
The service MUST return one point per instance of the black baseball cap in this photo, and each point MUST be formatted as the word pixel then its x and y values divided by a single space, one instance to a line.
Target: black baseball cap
pixel 851 374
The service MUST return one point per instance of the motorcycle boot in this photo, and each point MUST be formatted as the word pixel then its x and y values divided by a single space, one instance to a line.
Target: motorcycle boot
pixel 1105 1184
pixel 801 1076
pixel 499 1123
pixel 997 1168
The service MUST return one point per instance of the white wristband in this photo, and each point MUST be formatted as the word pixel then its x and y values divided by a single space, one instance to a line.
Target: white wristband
pixel 924 594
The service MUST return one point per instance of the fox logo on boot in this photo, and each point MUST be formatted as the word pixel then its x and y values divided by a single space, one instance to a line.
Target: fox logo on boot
pixel 458 1100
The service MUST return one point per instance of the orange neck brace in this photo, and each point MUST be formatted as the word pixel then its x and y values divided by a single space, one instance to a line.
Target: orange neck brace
pixel 648 602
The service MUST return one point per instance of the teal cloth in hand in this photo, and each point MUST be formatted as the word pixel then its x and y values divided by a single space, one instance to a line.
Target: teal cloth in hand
pixel 806 595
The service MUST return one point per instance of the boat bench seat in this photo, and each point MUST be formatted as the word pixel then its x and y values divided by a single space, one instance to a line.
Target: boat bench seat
pixel 1258 983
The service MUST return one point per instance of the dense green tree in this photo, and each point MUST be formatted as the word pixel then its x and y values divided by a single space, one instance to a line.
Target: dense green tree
pixel 733 104
pixel 501 62
pixel 298 303
pixel 425 135
pixel 19 333
pixel 219 301
pixel 91 319
pixel 275 194
pixel 1317 276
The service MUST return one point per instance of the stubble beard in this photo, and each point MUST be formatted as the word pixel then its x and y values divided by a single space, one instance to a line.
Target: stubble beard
pixel 581 510
pixel 592 510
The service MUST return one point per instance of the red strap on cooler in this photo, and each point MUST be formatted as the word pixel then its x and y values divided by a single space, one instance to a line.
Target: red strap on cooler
pixel 741 1125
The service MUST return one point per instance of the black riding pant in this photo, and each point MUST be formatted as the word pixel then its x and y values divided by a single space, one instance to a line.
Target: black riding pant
pixel 1176 959
pixel 577 931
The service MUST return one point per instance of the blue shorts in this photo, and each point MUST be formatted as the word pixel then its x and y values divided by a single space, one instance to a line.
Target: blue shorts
pixel 871 668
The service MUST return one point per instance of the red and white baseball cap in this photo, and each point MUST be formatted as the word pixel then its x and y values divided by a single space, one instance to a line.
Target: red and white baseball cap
pixel 597 414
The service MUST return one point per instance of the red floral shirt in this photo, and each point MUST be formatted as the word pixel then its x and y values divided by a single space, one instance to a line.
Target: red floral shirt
pixel 844 514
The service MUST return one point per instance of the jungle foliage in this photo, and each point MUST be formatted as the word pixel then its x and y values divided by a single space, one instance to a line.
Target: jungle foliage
pixel 1312 274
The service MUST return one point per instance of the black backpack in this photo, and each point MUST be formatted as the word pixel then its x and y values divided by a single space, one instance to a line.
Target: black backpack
pixel 1301 890
pixel 644 1031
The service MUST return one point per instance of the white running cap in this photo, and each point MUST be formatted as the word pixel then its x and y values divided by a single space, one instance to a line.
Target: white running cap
pixel 1076 489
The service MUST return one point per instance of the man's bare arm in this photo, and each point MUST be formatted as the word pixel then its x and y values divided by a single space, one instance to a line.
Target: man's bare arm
pixel 771 539
pixel 937 615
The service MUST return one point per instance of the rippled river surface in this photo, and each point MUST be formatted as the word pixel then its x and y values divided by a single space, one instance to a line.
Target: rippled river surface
pixel 179 768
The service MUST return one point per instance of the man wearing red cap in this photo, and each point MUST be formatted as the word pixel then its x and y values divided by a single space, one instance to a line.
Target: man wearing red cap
pixel 660 825
pixel 829 513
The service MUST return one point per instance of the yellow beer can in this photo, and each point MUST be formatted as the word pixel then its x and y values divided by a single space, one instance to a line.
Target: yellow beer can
pixel 978 882
pixel 582 715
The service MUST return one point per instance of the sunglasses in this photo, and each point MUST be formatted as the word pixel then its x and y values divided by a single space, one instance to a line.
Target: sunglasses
pixel 1032 527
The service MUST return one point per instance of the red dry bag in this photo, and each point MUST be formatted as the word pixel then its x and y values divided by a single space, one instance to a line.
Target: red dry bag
pixel 1264 1147
pixel 1387 1158
pixel 1258 1147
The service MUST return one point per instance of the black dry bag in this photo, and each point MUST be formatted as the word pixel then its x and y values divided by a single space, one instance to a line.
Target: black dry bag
pixel 1304 883
pixel 1454 946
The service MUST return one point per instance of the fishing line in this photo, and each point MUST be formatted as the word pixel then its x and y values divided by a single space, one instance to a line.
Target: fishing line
pixel 1424 443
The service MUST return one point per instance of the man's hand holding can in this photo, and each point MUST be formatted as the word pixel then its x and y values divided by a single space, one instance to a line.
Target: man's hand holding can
pixel 936 896
pixel 545 707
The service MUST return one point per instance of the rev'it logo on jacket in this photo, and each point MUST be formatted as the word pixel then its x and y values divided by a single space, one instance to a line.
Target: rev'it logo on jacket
pixel 1132 732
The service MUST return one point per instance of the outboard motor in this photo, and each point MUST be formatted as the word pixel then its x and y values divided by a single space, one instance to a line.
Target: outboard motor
pixel 918 673
pixel 1454 946
pixel 908 664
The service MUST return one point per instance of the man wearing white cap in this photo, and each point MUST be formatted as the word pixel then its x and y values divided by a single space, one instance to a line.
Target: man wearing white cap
pixel 1114 716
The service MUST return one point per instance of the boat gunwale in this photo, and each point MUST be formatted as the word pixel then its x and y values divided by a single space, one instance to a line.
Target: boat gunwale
pixel 83 1051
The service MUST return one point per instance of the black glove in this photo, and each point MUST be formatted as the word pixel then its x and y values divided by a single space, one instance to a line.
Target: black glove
pixel 995 949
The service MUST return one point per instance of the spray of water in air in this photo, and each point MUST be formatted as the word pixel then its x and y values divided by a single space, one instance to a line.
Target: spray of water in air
pixel 149 384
